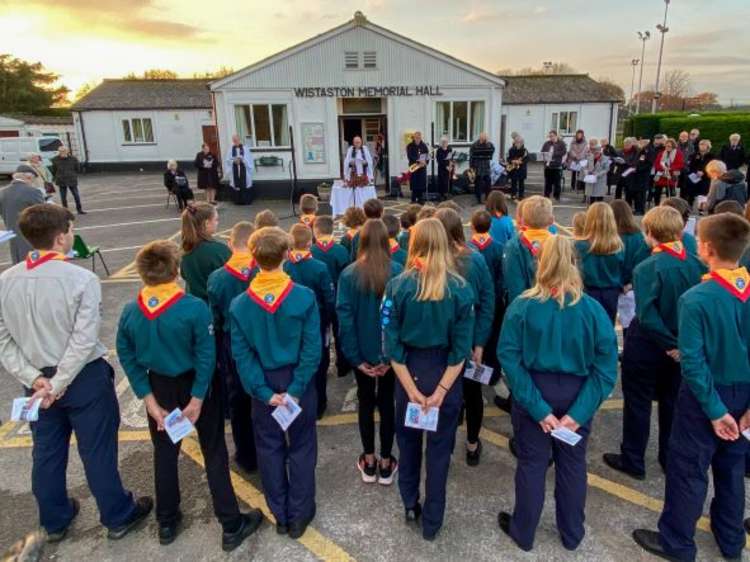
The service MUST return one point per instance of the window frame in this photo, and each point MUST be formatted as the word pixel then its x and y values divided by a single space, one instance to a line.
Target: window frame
pixel 128 129
pixel 469 103
pixel 252 137
pixel 557 120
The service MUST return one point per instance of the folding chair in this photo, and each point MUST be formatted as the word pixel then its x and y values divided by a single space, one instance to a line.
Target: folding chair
pixel 83 251
pixel 171 196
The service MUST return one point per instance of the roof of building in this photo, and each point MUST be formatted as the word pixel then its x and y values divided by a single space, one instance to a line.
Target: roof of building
pixel 38 119
pixel 359 20
pixel 147 94
pixel 555 88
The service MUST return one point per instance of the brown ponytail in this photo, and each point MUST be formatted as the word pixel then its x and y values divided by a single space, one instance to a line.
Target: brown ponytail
pixel 373 257
pixel 194 219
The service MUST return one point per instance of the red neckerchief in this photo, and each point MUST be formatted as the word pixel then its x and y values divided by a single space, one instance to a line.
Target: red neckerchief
pixel 156 299
pixel 736 281
pixel 481 241
pixel 532 239
pixel 325 243
pixel 35 258
pixel 240 265
pixel 675 249
pixel 269 289
pixel 296 256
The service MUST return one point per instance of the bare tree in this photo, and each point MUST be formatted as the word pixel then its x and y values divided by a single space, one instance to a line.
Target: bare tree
pixel 555 68
pixel 613 87
pixel 677 83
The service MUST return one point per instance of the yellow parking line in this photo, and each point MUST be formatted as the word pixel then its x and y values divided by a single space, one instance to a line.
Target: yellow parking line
pixel 321 546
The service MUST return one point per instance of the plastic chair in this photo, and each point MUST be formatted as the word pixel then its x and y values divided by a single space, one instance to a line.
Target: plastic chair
pixel 83 251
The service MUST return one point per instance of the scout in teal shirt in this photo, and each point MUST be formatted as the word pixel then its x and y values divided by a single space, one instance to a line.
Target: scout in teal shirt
pixel 393 226
pixel 202 255
pixel 519 261
pixel 491 251
pixel 636 250
pixel 600 270
pixel 326 250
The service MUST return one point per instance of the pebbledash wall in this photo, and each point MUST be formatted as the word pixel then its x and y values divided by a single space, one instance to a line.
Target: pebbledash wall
pixel 355 72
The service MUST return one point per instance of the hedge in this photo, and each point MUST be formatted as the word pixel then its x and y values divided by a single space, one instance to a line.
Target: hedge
pixel 713 126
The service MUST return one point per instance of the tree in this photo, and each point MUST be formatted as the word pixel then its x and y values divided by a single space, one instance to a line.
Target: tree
pixel 677 83
pixel 84 90
pixel 614 88
pixel 221 72
pixel 27 87
pixel 555 68
pixel 154 74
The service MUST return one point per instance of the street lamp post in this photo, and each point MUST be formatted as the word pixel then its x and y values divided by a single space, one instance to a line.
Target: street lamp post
pixel 643 36
pixel 663 29
pixel 634 63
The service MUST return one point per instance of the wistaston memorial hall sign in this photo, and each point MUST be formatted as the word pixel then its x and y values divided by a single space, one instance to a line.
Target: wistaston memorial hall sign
pixel 367 91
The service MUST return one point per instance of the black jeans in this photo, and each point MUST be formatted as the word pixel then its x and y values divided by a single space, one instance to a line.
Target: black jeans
pixel 552 177
pixel 517 186
pixel 637 198
pixel 171 393
pixel 376 392
pixel 73 186
pixel 481 187
pixel 474 405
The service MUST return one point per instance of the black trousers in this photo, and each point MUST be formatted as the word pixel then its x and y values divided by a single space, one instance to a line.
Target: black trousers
pixel 171 393
pixel 377 392
pixel 517 186
pixel 552 178
pixel 481 187
pixel 417 185
pixel 73 187
pixel 444 181
pixel 636 197
pixel 607 297
pixel 620 188
pixel 658 190
pixel 474 406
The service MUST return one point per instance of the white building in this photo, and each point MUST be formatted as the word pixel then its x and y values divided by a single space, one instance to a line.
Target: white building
pixel 59 127
pixel 144 122
pixel 356 79
pixel 533 105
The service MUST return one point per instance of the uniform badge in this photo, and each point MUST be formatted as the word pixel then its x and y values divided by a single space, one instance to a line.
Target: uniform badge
pixel 268 298
pixel 34 255
pixel 739 283
pixel 152 302
pixel 245 271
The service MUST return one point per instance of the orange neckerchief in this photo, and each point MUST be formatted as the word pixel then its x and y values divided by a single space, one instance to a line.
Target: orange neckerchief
pixel 269 289
pixel 675 249
pixel 533 238
pixel 307 220
pixel 481 241
pixel 736 281
pixel 38 257
pixel 418 264
pixel 325 243
pixel 395 247
pixel 351 233
pixel 154 300
pixel 240 265
pixel 296 256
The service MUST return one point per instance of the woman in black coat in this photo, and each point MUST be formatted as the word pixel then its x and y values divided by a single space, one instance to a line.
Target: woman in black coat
pixel 208 172
pixel 176 182
pixel 518 158
pixel 697 166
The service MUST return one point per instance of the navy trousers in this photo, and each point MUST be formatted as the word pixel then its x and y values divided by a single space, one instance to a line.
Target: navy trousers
pixel 534 448
pixel 648 374
pixel 89 408
pixel 427 367
pixel 240 406
pixel 321 376
pixel 290 493
pixel 693 449
pixel 607 297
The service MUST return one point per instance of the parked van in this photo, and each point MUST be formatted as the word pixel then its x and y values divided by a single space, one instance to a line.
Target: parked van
pixel 16 150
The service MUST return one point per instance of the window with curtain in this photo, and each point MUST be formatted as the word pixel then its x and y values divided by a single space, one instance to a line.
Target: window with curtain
pixel 565 122
pixel 137 131
pixel 460 121
pixel 263 125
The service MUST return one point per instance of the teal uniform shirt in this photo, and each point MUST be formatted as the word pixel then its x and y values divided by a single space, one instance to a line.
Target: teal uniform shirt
pixel 313 274
pixel 745 259
pixel 354 247
pixel 636 250
pixel 502 229
pixel 577 340
pixel 473 268
pixel 346 242
pixel 714 338
pixel 492 252
pixel 358 312
pixel 178 340
pixel 407 322
pixel 658 283
pixel 222 288
pixel 264 340
pixel 335 256
pixel 403 240
pixel 195 267
pixel 600 271
pixel 691 244
pixel 399 256
pixel 519 268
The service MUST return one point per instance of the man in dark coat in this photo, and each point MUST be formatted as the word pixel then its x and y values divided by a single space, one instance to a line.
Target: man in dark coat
pixel 480 156
pixel 65 170
pixel 733 154
pixel 418 153
pixel 554 150
pixel 14 199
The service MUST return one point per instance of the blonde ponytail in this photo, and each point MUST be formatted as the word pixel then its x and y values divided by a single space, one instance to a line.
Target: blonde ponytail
pixel 557 274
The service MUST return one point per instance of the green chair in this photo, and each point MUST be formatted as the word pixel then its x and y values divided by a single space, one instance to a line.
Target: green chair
pixel 83 251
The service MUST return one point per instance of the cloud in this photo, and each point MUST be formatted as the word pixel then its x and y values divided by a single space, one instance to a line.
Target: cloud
pixel 539 10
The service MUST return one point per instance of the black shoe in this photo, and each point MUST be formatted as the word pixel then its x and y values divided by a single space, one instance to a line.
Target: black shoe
pixel 250 523
pixel 281 529
pixel 503 520
pixel 369 472
pixel 649 541
pixel 413 514
pixel 168 531
pixel 248 467
pixel 143 507
pixel 298 528
pixel 385 475
pixel 747 525
pixel 82 212
pixel 472 457
pixel 502 403
pixel 614 461
pixel 322 410
pixel 61 534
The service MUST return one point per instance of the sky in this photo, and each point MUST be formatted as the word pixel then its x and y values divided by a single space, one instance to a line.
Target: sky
pixel 87 40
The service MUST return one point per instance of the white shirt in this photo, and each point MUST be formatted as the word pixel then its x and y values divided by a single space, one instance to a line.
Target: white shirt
pixel 363 155
pixel 49 317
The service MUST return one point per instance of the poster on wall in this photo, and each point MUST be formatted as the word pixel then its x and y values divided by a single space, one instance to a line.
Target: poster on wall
pixel 313 143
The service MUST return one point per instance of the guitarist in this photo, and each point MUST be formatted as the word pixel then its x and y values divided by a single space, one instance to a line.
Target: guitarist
pixel 518 158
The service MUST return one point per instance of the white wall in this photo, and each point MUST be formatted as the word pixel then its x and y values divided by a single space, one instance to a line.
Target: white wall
pixel 177 134
pixel 533 122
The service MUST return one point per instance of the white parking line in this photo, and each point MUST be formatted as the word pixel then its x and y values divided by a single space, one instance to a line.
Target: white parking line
pixel 126 207
pixel 118 224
